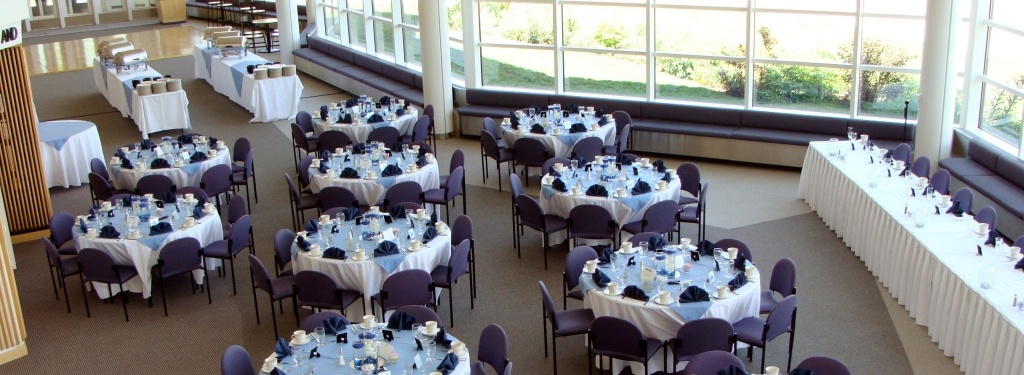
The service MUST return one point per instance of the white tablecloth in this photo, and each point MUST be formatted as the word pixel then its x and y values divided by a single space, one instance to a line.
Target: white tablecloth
pixel 359 133
pixel 152 113
pixel 554 144
pixel 68 165
pixel 269 99
pixel 130 252
pixel 369 192
pixel 932 271
pixel 128 178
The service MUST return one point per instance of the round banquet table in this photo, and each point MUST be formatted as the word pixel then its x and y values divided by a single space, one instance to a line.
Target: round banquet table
pixel 66 148
pixel 371 191
pixel 561 144
pixel 359 133
pixel 661 321
pixel 188 175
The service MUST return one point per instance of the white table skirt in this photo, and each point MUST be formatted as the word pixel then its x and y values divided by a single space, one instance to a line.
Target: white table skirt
pixel 70 166
pixel 369 192
pixel 129 252
pixel 269 99
pixel 152 113
pixel 128 179
pixel 932 271
pixel 554 145
pixel 359 133
pixel 561 205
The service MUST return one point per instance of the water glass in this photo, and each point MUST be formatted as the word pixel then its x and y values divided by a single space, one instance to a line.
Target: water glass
pixel 643 247
pixel 318 334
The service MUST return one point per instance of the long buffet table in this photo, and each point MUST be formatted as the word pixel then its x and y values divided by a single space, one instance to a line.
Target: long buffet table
pixel 268 99
pixel 929 263
pixel 152 113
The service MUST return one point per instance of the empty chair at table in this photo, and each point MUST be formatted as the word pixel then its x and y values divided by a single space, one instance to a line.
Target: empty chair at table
pixel 445 276
pixel 592 222
pixel 99 266
pixel 824 366
pixel 216 181
pixel 902 152
pixel 65 267
pixel 236 361
pixel 711 362
pixel 489 144
pixel 332 140
pixel 700 336
pixel 694 214
pixel 156 184
pixel 587 148
pixel 940 181
pixel 922 167
pixel 783 282
pixel 622 140
pixel 403 288
pixel 741 248
pixel 405 191
pixel 238 240
pixel 420 131
pixel 574 263
pixel 689 182
pixel 336 196
pixel 452 189
pixel 180 257
pixel 617 338
pixel 563 323
pixel 277 288
pixel 963 199
pixel 659 218
pixel 622 120
pixel 319 291
pixel 387 135
pixel 758 333
pixel 532 215
pixel 62 235
pixel 314 321
pixel 493 350
pixel 529 152
pixel 301 142
pixel 457 160
pixel 242 179
pixel 283 240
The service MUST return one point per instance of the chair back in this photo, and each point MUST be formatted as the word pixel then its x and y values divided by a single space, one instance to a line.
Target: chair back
pixel 429 112
pixel 304 165
pixel 922 167
pixel 621 120
pixel 574 262
pixel 462 229
pixel 986 215
pixel 689 178
pixel 316 289
pixel 516 185
pixel 305 121
pixel 333 139
pixel 711 362
pixel 421 314
pixel 299 137
pixel 405 191
pixel 291 188
pixel 824 366
pixel 247 167
pixel 407 287
pixel 622 141
pixel 283 247
pixel 458 160
pixel 531 214
pixel 660 217
pixel 158 184
pixel 902 152
pixel 97 265
pixel 241 148
pixel 617 338
pixel 51 254
pixel 645 236
pixel 99 186
pixel 741 248
pixel 491 128
pixel 180 256
pixel 387 135
pixel 490 145
pixel 780 319
pixel 549 305
pixel 314 321
pixel 940 181
pixel 454 184
pixel 459 262
pixel 493 349
pixel 337 196
pixel 702 335
pixel 965 197
pixel 97 166
pixel 260 276
pixel 195 191
pixel 530 152
pixel 62 226
pixel 240 233
pixel 236 361
pixel 1019 242
pixel 421 129
pixel 783 277
pixel 586 148
pixel 550 163
pixel 216 180
pixel 592 222
pixel 236 208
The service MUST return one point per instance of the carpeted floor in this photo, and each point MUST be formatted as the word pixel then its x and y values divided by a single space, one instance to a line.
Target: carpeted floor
pixel 842 312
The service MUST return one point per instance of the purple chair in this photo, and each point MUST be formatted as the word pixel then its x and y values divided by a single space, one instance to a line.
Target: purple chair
pixel 621 120
pixel 305 122
pixel 574 263
pixel 591 222
pixel 757 332
pixel 228 249
pixel 236 209
pixel 699 336
pixel 965 198
pixel 403 288
pixel 548 164
pixel 319 291
pixel 300 202
pixel 195 191
pixel 64 266
pixel 216 181
pixel 644 236
pixel 156 184
pixel 180 257
pixel 493 348
pixel 421 314
pixel 622 141
pixel 986 215
pixel 901 152
pixel 711 362
pixel 462 229
pixel 444 277
pixel 532 215
pixel 940 181
pixel 458 160
pixel 301 142
pixel 741 248
pixel 447 194
pixel 337 196
pixel 420 131
pixel 563 323
pixel 99 188
pixel 242 179
pixel 314 321
pixel 617 338
pixel 303 174
pixel 490 147
pixel 824 366
pixel 62 235
pixel 277 288
pixel 283 251
pixel 783 282
pixel 694 214
pixel 659 218
pixel 922 167
pixel 98 266
pixel 238 152
pixel 387 135
pixel 587 148
pixel 689 181
pixel 332 140
pixel 491 127
pixel 1019 242
pixel 405 191
pixel 529 152
pixel 236 361
pixel 429 112
pixel 516 186
pixel 97 166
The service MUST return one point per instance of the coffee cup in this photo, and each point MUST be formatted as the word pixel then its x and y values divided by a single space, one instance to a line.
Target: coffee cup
pixel 369 321
pixel 458 347
pixel 314 249
pixel 190 197
pixel 430 327
pixel 506 121
pixel 558 167
pixel 946 200
pixel 115 160
pixel 330 173
pixel 208 207
pixel 684 242
pixel 134 233
pixel 864 138
pixel 269 364
pixel 982 228
pixel 557 130
pixel 415 245
pixel 626 247
pixel 429 157
pixel 421 213
pixel 723 291
pixel 436 373
pixel 315 163
pixel 371 174
pixel 549 179
pixel 178 163
pixel 590 109
pixel 213 153
pixel 664 296
pixel 125 150
pixel 375 209
pixel 771 370
pixel 324 219
pixel 575 190
pixel 922 181
pixel 732 252
pixel 91 232
pixel 339 151
pixel 613 288
pixel 220 145
pixel 412 168
pixel 750 271
pixel 591 266
pixel 106 206
pixel 898 164
pixel 299 336
pixel 662 184
pixel 1014 251
pixel 360 254
pixel 645 162
pixel 149 197
pixel 621 192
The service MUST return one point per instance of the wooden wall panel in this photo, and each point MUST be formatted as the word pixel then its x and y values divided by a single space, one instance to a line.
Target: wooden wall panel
pixel 21 172
pixel 12 322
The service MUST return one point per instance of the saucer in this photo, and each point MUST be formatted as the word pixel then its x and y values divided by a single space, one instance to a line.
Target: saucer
pixel 633 250
pixel 265 370
pixel 423 330
pixel 357 259
pixel 131 237
pixel 605 291
pixel 303 342
pixel 369 177
pixel 666 303
pixel 624 195
pixel 585 270
pixel 186 226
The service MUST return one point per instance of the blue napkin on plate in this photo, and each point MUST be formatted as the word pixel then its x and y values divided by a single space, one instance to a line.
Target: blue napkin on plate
pixel 323 168
pixel 801 371
pixel 335 325
pixel 429 234
pixel 161 228
pixel 553 172
pixel 731 370
pixel 334 253
pixel 636 293
pixel 351 213
pixel 740 263
pixel 374 118
pixel 83 225
pixel 397 211
pixel 198 156
pixel 146 144
pixel 391 170
pixel 605 255
pixel 168 197
pixel 302 243
pixel 601 279
pixel 956 210
pixel 597 190
pixel 348 172
pixel 694 293
pixel 737 282
pixel 577 128
pixel 312 226
pixel 282 350
pixel 125 163
pixel 641 187
pixel 401 321
pixel 706 247
pixel 442 339
pixel 109 232
pixel 159 163
pixel 656 242
pixel 537 129
pixel 448 364
pixel 624 160
pixel 198 212
pixel 559 185
pixel 386 248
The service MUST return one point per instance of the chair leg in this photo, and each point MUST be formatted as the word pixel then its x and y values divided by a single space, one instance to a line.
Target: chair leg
pixel 54 282
pixel 163 293
pixel 234 289
pixel 451 310
pixel 295 309
pixel 85 297
pixel 67 302
pixel 554 350
pixel 255 303
pixel 124 300
pixel 273 317
pixel 544 324
pixel 209 296
pixel 546 248
pixel 789 362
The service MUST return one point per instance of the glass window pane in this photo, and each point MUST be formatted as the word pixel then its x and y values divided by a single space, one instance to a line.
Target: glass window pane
pixel 331 2
pixel 802 37
pixel 708 81
pixel 518 67
pixel 1001 114
pixel 516 23
pixel 111 6
pixel 455 19
pixel 411 12
pixel 588 72
pixel 714 3
pixel 622 28
pixel 355 4
pixel 705 32
pixel 356 29
pixel 42 8
pixel 1008 12
pixel 830 5
pixel 411 44
pixel 901 7
pixel 78 7
pixel 331 25
pixel 892 42
pixel 458 59
pixel 1004 62
pixel 384 37
pixel 382 8
pixel 802 88
pixel 882 94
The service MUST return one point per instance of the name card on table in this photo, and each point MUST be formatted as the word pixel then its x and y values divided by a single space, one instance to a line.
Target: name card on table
pixel 185 155
pixel 711 277
pixel 412 233
pixel 417 362
pixel 342 338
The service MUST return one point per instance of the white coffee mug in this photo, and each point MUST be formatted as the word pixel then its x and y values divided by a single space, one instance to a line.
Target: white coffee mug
pixel 613 288
pixel 662 184
pixel 269 363
pixel 369 321
pixel 324 219
pixel 91 232
pixel 213 153
pixel 591 266
pixel 375 209
pixel 621 192
pixel 190 221
pixel 360 254
pixel 664 296
pixel 750 271
pixel 723 291
pixel 982 228
pixel 684 242
pixel 575 190
pixel 732 252
pixel 626 247
pixel 190 197
pixel 299 336
pixel 106 206
pixel 134 233
pixel 771 370
pixel 314 249
pixel 421 213
pixel 1014 251
pixel 945 200
pixel 415 245
pixel 458 347
pixel 430 326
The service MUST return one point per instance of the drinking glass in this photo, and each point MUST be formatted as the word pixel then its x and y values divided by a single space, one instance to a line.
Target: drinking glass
pixel 615 261
pixel 297 355
pixel 318 334
pixel 133 221
pixel 431 349
pixel 643 247
pixel 409 213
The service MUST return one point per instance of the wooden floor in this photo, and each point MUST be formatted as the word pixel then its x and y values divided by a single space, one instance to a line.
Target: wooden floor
pixel 78 54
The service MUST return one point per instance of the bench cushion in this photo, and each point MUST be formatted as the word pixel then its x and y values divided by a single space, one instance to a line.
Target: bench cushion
pixel 963 167
pixel 496 113
pixel 882 129
pixel 999 190
pixel 983 153
pixel 787 137
pixel 400 74
pixel 414 96
pixel 692 114
pixel 342 53
pixel 688 128
pixel 372 64
pixel 1011 168
pixel 319 44
pixel 632 107
pixel 385 84
pixel 356 73
pixel 504 99
pixel 831 126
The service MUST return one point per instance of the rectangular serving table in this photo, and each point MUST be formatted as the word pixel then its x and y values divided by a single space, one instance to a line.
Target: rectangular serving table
pixel 152 113
pixel 268 99
pixel 933 271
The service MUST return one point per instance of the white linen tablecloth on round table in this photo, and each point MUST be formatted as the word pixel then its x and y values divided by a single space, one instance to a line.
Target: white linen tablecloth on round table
pixel 128 179
pixel 553 144
pixel 359 133
pixel 369 192
pixel 69 166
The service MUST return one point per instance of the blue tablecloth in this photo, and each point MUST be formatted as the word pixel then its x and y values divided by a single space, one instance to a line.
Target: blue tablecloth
pixel 404 344
pixel 57 133
pixel 208 57
pixel 338 164
pixel 340 240
pixel 119 221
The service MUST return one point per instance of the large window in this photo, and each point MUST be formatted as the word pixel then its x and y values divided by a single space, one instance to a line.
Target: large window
pixel 998 90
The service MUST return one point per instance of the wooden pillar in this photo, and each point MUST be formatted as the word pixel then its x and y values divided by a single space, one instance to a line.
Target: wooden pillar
pixel 12 324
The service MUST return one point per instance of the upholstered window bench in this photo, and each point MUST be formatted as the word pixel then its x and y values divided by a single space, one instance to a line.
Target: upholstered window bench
pixel 358 73
pixel 997 178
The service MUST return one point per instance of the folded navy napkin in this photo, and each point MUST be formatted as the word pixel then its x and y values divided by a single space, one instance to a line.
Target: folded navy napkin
pixel 282 350
pixel 161 228
pixel 348 172
pixel 636 293
pixel 513 119
pixel 694 293
pixel 601 279
pixel 731 370
pixel 386 248
pixel 146 144
pixel 352 102
pixel 641 187
pixel 384 100
pixel 801 371
pixel 279 371
pixel 992 235
pixel 125 163
pixel 554 172
pixel 301 242
pixel 185 139
pixel 421 160
pixel 706 247
pixel 334 253
pixel 599 112
pixel 312 226
pixel 324 112
pixel 401 321
pixel 537 129
pixel 442 339
pixel 391 170
pixel 624 160
pixel 335 325
pixel 109 232
pixel 200 201
pixel 212 142
pixel 351 213
pixel 120 154
pixel 740 263
pixel 659 165
pixel 429 234
pixel 667 177
pixel 956 210
pixel 597 191
pixel 82 225
pixel 323 168
pixel 737 282
pixel 559 185
pixel 198 212
pixel 375 118
pixel 397 211
pixel 656 243
pixel 345 118
pixel 198 156
pixel 1019 265
pixel 433 219
pixel 159 163
pixel 168 197
pixel 577 128
pixel 448 364
pixel 605 255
